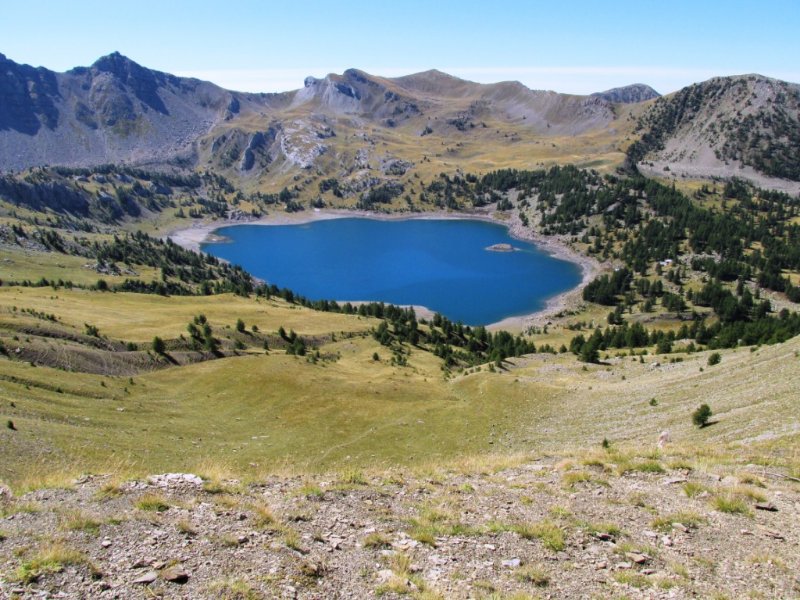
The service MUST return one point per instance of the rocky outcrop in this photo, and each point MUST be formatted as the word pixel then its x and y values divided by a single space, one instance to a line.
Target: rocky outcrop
pixel 396 166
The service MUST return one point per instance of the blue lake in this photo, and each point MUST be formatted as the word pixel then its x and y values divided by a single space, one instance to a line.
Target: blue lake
pixel 441 264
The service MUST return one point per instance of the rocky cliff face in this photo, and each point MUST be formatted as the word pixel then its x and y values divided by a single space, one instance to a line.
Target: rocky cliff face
pixel 28 98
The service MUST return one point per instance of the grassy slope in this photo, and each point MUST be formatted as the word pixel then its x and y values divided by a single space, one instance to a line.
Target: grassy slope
pixel 503 143
pixel 260 412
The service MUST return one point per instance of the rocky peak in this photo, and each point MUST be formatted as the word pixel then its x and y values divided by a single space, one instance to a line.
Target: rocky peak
pixel 116 63
pixel 629 94
pixel 143 82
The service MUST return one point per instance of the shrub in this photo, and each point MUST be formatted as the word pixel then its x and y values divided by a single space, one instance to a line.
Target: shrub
pixel 714 359
pixel 701 416
pixel 159 347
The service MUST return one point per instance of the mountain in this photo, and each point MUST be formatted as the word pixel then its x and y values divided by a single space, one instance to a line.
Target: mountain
pixel 119 111
pixel 630 94
pixel 114 110
pixel 745 126
pixel 364 130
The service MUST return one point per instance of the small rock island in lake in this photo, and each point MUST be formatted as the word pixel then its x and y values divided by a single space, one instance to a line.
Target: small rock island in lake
pixel 501 248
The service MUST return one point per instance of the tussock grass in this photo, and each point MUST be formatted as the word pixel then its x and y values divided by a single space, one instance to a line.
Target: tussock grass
pixel 731 504
pixel 220 487
pixel 152 502
pixel 680 570
pixel 311 491
pixel 751 493
pixel 559 512
pixel 110 489
pixel 291 540
pixel 770 560
pixel 50 558
pixel 263 516
pixel 185 527
pixel 19 507
pixel 403 581
pixel 597 459
pixel 77 520
pixel 229 501
pixel 548 533
pixel 436 521
pixel 234 588
pixel 376 540
pixel 595 528
pixel 633 579
pixel 228 540
pixel 693 489
pixel 751 479
pixel 647 466
pixel 572 478
pixel 534 575
pixel 624 547
pixel 352 477
pixel 486 464
pixel 690 519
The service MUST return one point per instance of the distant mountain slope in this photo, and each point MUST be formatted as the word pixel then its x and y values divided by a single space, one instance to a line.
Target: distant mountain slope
pixel 119 111
pixel 747 125
pixel 630 94
pixel 115 110
pixel 364 130
pixel 433 92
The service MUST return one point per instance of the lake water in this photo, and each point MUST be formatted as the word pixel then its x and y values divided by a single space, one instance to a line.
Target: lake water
pixel 441 264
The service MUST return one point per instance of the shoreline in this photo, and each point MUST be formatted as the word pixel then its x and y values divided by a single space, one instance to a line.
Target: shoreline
pixel 191 238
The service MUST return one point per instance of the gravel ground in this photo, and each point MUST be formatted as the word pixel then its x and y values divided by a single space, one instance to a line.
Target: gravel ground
pixel 598 526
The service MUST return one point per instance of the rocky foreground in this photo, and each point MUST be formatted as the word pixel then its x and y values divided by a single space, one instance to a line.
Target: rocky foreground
pixel 601 524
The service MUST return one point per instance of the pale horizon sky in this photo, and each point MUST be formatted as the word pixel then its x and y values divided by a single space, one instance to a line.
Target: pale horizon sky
pixel 577 47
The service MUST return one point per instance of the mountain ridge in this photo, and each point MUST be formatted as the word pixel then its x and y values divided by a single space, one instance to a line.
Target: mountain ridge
pixel 344 125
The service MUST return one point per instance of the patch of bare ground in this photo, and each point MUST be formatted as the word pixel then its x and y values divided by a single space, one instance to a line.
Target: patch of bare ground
pixel 675 523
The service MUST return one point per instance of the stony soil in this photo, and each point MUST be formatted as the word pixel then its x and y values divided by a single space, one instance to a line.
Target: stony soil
pixel 630 526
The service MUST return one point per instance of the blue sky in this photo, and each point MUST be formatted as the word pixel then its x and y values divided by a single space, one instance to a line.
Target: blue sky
pixel 569 46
